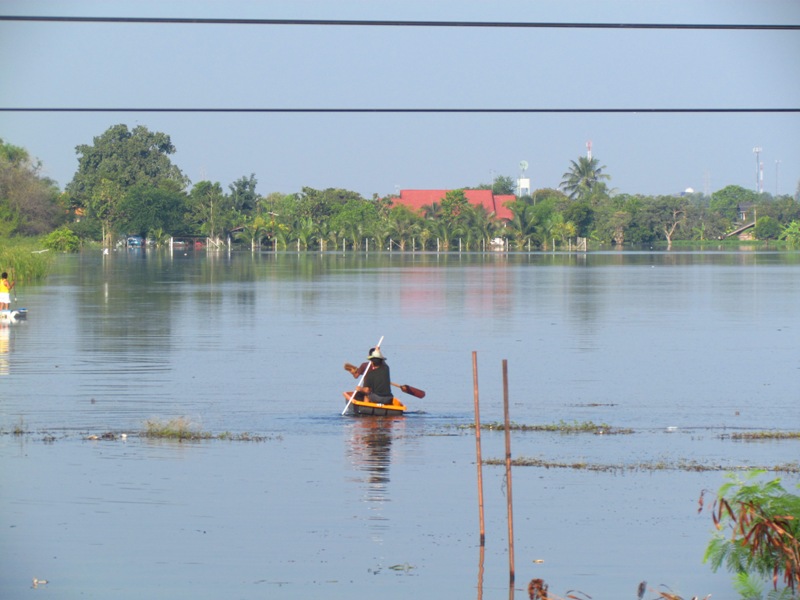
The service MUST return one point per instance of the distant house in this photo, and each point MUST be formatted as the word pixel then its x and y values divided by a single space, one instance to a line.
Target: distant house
pixel 417 199
pixel 743 209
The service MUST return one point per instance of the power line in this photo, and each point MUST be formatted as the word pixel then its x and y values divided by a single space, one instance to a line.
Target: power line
pixel 397 110
pixel 400 23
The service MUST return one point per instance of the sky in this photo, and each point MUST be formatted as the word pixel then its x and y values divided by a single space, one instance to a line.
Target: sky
pixel 112 65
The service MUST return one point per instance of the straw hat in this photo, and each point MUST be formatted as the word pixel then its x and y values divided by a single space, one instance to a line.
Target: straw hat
pixel 376 353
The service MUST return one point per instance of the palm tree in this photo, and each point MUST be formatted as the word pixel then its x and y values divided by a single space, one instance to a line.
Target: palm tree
pixel 480 227
pixel 524 223
pixel 254 231
pixel 584 178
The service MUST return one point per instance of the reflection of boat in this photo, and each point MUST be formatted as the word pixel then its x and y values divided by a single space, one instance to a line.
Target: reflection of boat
pixel 364 407
pixel 12 316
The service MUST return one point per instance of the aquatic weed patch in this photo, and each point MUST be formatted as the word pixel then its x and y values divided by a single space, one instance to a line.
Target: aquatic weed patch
pixel 182 429
pixel 655 465
pixel 560 427
pixel 175 429
pixel 762 435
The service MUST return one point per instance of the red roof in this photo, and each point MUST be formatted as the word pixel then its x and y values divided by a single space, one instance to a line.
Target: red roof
pixel 416 199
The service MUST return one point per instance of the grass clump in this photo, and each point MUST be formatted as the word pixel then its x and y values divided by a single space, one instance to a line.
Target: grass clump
pixel 765 435
pixel 560 427
pixel 179 428
pixel 182 429
pixel 644 466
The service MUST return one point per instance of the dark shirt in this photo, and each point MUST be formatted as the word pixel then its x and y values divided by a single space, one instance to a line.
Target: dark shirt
pixel 378 381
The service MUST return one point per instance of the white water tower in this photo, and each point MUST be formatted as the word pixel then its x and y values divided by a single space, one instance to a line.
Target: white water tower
pixel 523 183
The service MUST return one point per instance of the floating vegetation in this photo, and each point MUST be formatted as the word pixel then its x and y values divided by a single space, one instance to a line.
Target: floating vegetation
pixel 560 427
pixel 182 429
pixel 763 435
pixel 659 465
pixel 174 429
pixel 404 567
pixel 242 437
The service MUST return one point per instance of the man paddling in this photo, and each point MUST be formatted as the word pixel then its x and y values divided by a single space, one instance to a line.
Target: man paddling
pixel 377 386
pixel 358 371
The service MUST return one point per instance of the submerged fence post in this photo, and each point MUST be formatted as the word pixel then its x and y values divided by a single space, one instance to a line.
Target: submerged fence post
pixel 508 474
pixel 478 446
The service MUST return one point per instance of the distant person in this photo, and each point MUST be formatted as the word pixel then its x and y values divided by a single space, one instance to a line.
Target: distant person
pixel 5 291
pixel 377 385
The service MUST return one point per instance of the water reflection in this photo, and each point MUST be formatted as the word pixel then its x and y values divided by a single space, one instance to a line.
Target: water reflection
pixel 369 449
pixel 5 348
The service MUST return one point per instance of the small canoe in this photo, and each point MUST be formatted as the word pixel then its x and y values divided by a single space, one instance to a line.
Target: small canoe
pixel 12 316
pixel 366 408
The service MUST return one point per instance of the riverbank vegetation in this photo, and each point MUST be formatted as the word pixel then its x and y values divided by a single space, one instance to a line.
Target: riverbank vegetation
pixel 24 259
pixel 126 184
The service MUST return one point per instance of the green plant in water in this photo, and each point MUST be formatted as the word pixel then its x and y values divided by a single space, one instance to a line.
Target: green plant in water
pixel 176 429
pixel 763 523
pixel 560 427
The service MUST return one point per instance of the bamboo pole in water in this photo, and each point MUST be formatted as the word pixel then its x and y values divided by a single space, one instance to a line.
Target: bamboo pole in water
pixel 478 446
pixel 508 474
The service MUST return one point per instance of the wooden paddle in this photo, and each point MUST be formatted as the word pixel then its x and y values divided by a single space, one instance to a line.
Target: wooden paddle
pixel 410 390
pixel 361 380
pixel 406 388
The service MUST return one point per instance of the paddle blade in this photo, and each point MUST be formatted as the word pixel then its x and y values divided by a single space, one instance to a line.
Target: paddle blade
pixel 413 391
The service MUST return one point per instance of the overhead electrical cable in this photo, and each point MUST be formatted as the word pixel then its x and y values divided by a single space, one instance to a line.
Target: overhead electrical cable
pixel 402 23
pixel 396 110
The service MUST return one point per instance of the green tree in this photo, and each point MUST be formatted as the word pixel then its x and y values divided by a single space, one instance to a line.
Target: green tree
pixel 355 220
pixel 117 161
pixel 584 179
pixel 254 230
pixel 29 203
pixel 404 225
pixel 668 213
pixel 62 240
pixel 208 209
pixel 454 204
pixel 792 234
pixel 504 185
pixel 146 209
pixel 582 214
pixel 614 219
pixel 243 196
pixel 767 228
pixel 480 228
pixel 729 199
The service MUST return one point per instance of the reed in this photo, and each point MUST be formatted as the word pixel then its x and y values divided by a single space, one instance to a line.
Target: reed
pixel 24 259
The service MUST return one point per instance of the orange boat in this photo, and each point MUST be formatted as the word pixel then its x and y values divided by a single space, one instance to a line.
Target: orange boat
pixel 366 408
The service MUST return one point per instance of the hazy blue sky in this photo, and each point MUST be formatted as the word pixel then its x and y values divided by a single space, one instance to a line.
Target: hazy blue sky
pixel 222 66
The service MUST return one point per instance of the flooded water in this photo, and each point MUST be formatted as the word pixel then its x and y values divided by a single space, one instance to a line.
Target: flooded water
pixel 681 348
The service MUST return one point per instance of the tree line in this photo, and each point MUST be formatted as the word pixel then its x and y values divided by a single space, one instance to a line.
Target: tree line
pixel 126 184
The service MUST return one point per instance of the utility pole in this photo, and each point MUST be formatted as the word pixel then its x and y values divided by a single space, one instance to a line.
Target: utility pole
pixel 757 152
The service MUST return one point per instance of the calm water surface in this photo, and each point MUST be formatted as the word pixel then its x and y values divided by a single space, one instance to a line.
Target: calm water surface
pixel 684 348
